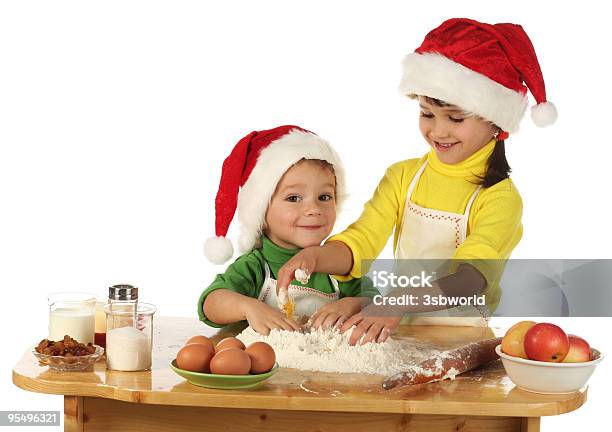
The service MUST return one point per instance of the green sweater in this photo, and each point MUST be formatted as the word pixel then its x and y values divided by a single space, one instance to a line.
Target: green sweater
pixel 246 276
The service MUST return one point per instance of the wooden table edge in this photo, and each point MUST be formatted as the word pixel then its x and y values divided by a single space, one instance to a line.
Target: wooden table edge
pixel 226 399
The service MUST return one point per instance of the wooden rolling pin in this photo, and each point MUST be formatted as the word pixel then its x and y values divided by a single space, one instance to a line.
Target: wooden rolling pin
pixel 455 361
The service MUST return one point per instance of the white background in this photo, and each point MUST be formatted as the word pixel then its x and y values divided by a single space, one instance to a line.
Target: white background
pixel 115 118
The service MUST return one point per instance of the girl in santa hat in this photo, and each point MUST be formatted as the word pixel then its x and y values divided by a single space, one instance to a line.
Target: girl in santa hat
pixel 457 201
pixel 286 184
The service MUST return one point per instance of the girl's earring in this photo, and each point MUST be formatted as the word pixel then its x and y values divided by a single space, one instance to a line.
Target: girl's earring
pixel 500 135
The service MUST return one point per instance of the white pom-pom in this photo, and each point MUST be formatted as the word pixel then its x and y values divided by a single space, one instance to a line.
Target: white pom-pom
pixel 218 249
pixel 544 114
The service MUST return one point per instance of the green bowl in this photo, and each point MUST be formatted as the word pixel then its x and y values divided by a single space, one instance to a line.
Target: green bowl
pixel 226 382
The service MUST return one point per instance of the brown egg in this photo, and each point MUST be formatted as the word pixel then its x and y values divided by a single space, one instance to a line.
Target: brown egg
pixel 194 357
pixel 200 339
pixel 262 357
pixel 231 361
pixel 229 342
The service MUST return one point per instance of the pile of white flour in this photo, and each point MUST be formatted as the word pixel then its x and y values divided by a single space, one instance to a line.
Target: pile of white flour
pixel 329 351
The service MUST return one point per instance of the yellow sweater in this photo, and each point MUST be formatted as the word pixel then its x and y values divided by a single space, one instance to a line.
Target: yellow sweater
pixel 494 224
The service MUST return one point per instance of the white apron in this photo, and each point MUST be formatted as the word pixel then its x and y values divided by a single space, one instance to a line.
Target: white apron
pixel 434 234
pixel 307 300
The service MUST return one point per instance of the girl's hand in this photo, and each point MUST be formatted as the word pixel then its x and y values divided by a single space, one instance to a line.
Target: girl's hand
pixel 373 322
pixel 335 313
pixel 263 318
pixel 306 260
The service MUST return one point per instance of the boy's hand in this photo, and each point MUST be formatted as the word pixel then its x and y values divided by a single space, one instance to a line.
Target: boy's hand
pixel 335 313
pixel 263 318
pixel 305 260
pixel 374 322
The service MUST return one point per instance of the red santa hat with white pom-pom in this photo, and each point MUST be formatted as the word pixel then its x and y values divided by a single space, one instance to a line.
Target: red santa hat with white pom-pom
pixel 249 177
pixel 485 69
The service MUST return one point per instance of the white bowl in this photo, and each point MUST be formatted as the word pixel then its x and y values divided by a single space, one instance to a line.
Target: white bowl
pixel 545 377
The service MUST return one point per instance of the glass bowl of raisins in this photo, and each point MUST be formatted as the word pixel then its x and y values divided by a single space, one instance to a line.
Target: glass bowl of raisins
pixel 67 354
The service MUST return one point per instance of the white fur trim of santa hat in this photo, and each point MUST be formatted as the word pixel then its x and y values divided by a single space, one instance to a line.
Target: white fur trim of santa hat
pixel 272 163
pixel 436 76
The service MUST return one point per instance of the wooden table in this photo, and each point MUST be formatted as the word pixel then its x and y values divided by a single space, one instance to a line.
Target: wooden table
pixel 291 400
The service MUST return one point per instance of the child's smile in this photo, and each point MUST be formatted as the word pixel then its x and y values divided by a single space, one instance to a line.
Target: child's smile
pixel 310 227
pixel 443 146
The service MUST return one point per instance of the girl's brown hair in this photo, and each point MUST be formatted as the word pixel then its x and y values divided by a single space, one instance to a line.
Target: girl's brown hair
pixel 498 168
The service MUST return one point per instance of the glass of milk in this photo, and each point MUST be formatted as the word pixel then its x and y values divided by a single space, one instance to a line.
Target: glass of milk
pixel 73 314
pixel 129 341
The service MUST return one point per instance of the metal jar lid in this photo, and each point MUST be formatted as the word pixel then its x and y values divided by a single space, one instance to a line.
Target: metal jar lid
pixel 123 292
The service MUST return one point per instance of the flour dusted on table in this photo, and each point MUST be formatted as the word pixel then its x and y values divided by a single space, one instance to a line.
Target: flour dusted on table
pixel 329 351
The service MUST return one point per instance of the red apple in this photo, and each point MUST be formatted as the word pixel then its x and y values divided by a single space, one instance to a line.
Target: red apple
pixel 579 350
pixel 513 342
pixel 546 342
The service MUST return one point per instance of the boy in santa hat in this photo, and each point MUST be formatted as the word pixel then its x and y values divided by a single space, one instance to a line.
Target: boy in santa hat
pixel 286 184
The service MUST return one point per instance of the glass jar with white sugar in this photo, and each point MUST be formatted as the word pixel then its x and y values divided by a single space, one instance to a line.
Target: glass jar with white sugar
pixel 129 342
